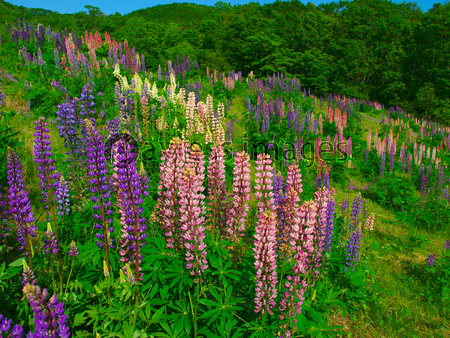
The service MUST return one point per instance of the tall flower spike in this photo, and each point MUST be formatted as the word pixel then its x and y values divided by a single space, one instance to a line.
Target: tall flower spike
pixel 100 188
pixel 49 317
pixel 241 196
pixel 173 163
pixel 216 187
pixel 192 223
pixel 265 262
pixel 20 207
pixel 27 275
pixel 51 246
pixel 264 186
pixel 73 251
pixel 62 197
pixel 133 232
pixel 330 211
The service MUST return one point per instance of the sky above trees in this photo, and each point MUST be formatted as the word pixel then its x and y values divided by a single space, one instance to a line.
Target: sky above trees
pixel 125 7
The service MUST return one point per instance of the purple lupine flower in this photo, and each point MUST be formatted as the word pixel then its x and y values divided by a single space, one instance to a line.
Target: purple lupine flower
pixel 73 251
pixel 20 207
pixel 447 245
pixel 366 155
pixel 87 102
pixel 192 221
pixel 27 275
pixel 51 245
pixel 42 156
pixel 353 249
pixel 356 211
pixel 430 260
pixel 133 231
pixel 423 189
pixel 330 220
pixel 382 163
pixel 278 189
pixel 4 219
pixel 392 157
pixel 100 187
pixel 62 197
pixel 265 261
pixel 49 317
pixel 5 326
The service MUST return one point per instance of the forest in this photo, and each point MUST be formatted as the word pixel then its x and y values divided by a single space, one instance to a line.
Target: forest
pixel 370 49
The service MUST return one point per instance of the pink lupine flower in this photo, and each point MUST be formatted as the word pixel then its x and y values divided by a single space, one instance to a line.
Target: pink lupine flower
pixel 294 179
pixel 264 187
pixel 216 187
pixel 241 195
pixel 265 262
pixel 370 221
pixel 172 167
pixel 321 202
pixel 192 223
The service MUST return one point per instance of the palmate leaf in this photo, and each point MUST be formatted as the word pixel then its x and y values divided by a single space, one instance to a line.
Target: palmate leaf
pixel 224 306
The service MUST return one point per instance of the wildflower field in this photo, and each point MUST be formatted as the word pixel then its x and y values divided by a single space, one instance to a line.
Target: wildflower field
pixel 185 201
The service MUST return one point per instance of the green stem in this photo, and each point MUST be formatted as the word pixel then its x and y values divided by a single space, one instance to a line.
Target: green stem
pixel 70 273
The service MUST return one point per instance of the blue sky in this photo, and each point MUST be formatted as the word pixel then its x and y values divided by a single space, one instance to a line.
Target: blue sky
pixel 127 6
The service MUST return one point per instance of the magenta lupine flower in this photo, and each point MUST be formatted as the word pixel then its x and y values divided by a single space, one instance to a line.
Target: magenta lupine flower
pixel 73 251
pixel 51 246
pixel 192 223
pixel 349 147
pixel 392 157
pixel 133 231
pixel 49 317
pixel 173 163
pixel 240 197
pixel 265 262
pixel 430 260
pixel 264 185
pixel 5 326
pixel 100 187
pixel 19 204
pixel 216 187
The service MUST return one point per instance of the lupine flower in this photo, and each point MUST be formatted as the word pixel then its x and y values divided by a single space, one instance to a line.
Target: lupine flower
pixel 133 231
pixel 369 222
pixel 265 262
pixel 382 163
pixel 192 223
pixel 321 202
pixel 330 210
pixel 356 211
pixel 172 166
pixel 73 249
pixel 51 245
pixel 353 249
pixel 27 275
pixel 100 187
pixel 144 180
pixel 240 197
pixel 49 317
pixel 264 186
pixel 217 187
pixel 5 326
pixel 42 156
pixel 447 245
pixel 62 197
pixel 430 260
pixel 20 207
